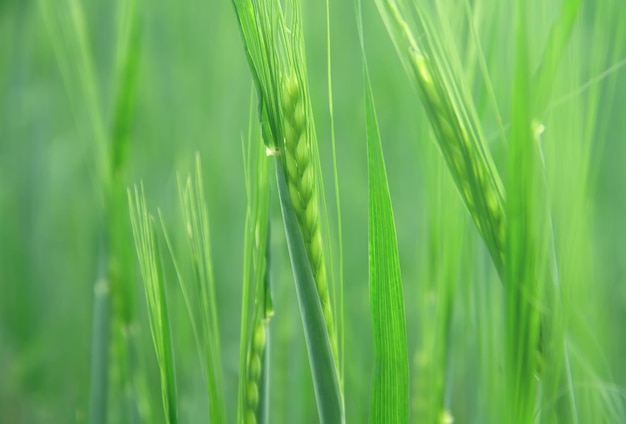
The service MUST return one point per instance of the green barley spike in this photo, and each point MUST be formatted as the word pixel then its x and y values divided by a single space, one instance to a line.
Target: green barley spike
pixel 256 359
pixel 274 46
pixel 457 132
pixel 302 184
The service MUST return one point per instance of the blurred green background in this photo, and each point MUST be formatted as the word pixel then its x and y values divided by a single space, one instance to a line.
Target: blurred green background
pixel 193 93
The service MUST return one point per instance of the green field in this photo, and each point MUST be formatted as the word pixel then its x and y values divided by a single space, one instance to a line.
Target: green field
pixel 494 291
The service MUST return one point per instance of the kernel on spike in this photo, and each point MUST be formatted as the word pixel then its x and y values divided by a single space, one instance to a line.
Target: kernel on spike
pixel 294 194
pixel 492 202
pixel 308 182
pixel 250 417
pixel 298 114
pixel 257 347
pixel 322 289
pixel 291 164
pixel 258 343
pixel 302 153
pixel 255 367
pixel 316 252
pixel 420 63
pixel 252 393
pixel 290 94
pixel 288 132
pixel 311 216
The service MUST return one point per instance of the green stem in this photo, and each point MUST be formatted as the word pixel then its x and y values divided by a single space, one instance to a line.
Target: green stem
pixel 100 343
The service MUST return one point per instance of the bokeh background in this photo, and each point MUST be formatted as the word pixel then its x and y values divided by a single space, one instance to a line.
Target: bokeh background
pixel 193 94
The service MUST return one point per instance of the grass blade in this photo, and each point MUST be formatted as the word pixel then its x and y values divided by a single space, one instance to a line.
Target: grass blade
pixel 127 72
pixel 526 242
pixel 389 400
pixel 390 386
pixel 340 320
pixel 323 366
pixel 560 34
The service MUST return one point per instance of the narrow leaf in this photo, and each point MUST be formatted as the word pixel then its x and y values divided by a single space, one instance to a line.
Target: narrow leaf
pixel 390 383
pixel 560 34
pixel 323 366
pixel 389 401
pixel 525 242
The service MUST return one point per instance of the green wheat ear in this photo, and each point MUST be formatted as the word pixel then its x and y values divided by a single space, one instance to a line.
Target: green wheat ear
pixel 456 128
pixel 149 258
pixel 256 358
pixel 468 161
pixel 274 45
pixel 303 192
pixel 254 363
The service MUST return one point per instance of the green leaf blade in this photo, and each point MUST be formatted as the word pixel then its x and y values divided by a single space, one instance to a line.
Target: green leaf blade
pixel 389 399
pixel 526 236
pixel 390 383
pixel 323 366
